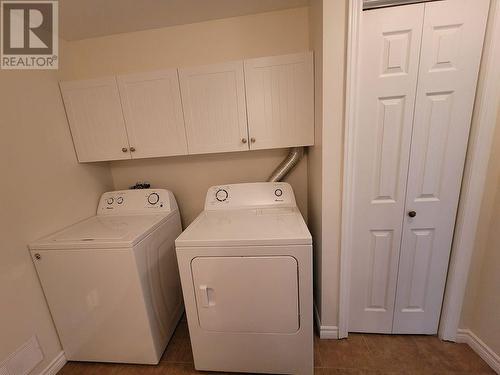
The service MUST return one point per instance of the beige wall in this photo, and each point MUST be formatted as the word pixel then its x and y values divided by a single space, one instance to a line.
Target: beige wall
pixel 481 310
pixel 201 43
pixel 43 189
pixel 328 31
pixel 481 306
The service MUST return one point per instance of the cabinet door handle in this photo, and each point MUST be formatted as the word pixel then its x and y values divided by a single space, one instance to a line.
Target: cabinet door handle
pixel 132 149
pixel 243 140
pixel 124 149
pixel 252 140
pixel 412 214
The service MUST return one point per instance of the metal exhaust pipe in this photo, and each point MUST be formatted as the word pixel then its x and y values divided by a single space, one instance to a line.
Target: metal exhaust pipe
pixel 287 165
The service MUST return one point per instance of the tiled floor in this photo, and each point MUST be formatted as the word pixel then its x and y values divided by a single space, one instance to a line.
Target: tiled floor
pixel 360 354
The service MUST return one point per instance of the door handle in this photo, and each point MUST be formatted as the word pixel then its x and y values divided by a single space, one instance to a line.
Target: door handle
pixel 206 296
pixel 412 214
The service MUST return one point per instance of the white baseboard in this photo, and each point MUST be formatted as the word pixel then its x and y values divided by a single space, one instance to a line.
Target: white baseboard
pixel 484 351
pixel 57 363
pixel 325 332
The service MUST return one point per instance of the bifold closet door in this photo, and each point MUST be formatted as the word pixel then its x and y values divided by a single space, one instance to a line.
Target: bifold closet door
pixel 452 42
pixel 416 84
pixel 387 79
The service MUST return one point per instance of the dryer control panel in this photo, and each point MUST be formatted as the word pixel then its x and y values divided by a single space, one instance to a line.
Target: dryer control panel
pixel 122 202
pixel 257 195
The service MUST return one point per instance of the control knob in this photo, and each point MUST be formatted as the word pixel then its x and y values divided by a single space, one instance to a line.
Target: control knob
pixel 221 195
pixel 153 198
pixel 110 200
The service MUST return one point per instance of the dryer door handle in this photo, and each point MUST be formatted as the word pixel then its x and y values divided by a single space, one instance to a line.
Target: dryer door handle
pixel 206 295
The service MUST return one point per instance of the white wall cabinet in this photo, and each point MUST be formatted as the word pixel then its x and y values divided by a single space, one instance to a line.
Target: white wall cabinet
pixel 213 98
pixel 96 121
pixel 280 101
pixel 194 110
pixel 152 109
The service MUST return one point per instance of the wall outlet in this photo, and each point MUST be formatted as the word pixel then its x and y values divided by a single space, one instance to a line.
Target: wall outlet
pixel 23 360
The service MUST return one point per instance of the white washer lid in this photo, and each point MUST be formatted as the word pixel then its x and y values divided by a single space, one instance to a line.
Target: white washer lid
pixel 102 232
pixel 259 227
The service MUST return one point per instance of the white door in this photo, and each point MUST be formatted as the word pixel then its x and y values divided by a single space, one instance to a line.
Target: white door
pixel 390 37
pixel 452 41
pixel 95 117
pixel 247 294
pixel 407 182
pixel 280 100
pixel 153 113
pixel 213 99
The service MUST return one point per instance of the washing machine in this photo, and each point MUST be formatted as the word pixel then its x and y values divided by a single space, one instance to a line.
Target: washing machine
pixel 246 271
pixel 112 282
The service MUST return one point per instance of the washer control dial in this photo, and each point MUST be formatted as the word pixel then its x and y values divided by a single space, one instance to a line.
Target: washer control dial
pixel 153 198
pixel 278 192
pixel 119 200
pixel 221 195
pixel 110 200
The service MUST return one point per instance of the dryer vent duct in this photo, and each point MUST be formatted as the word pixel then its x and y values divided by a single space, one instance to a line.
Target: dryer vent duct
pixel 287 165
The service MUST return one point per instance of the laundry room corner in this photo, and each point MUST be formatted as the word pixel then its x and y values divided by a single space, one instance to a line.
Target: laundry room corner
pixel 43 189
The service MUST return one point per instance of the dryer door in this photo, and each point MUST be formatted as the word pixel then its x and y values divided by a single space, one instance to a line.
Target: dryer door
pixel 247 294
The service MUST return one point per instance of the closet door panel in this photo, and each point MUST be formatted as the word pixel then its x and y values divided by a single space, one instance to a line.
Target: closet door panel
pixel 153 113
pixel 213 98
pixel 452 42
pixel 387 79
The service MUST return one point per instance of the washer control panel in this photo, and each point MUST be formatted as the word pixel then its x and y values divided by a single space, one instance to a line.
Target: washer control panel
pixel 257 194
pixel 136 201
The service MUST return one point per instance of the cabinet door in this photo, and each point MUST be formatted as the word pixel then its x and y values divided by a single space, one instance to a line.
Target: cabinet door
pixel 95 117
pixel 153 113
pixel 452 42
pixel 213 98
pixel 387 75
pixel 280 100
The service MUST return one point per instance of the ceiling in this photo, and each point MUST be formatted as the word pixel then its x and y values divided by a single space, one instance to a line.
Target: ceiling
pixel 80 19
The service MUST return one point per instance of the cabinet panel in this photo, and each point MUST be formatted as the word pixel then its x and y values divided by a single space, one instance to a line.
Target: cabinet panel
pixel 280 100
pixel 152 109
pixel 96 120
pixel 213 98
